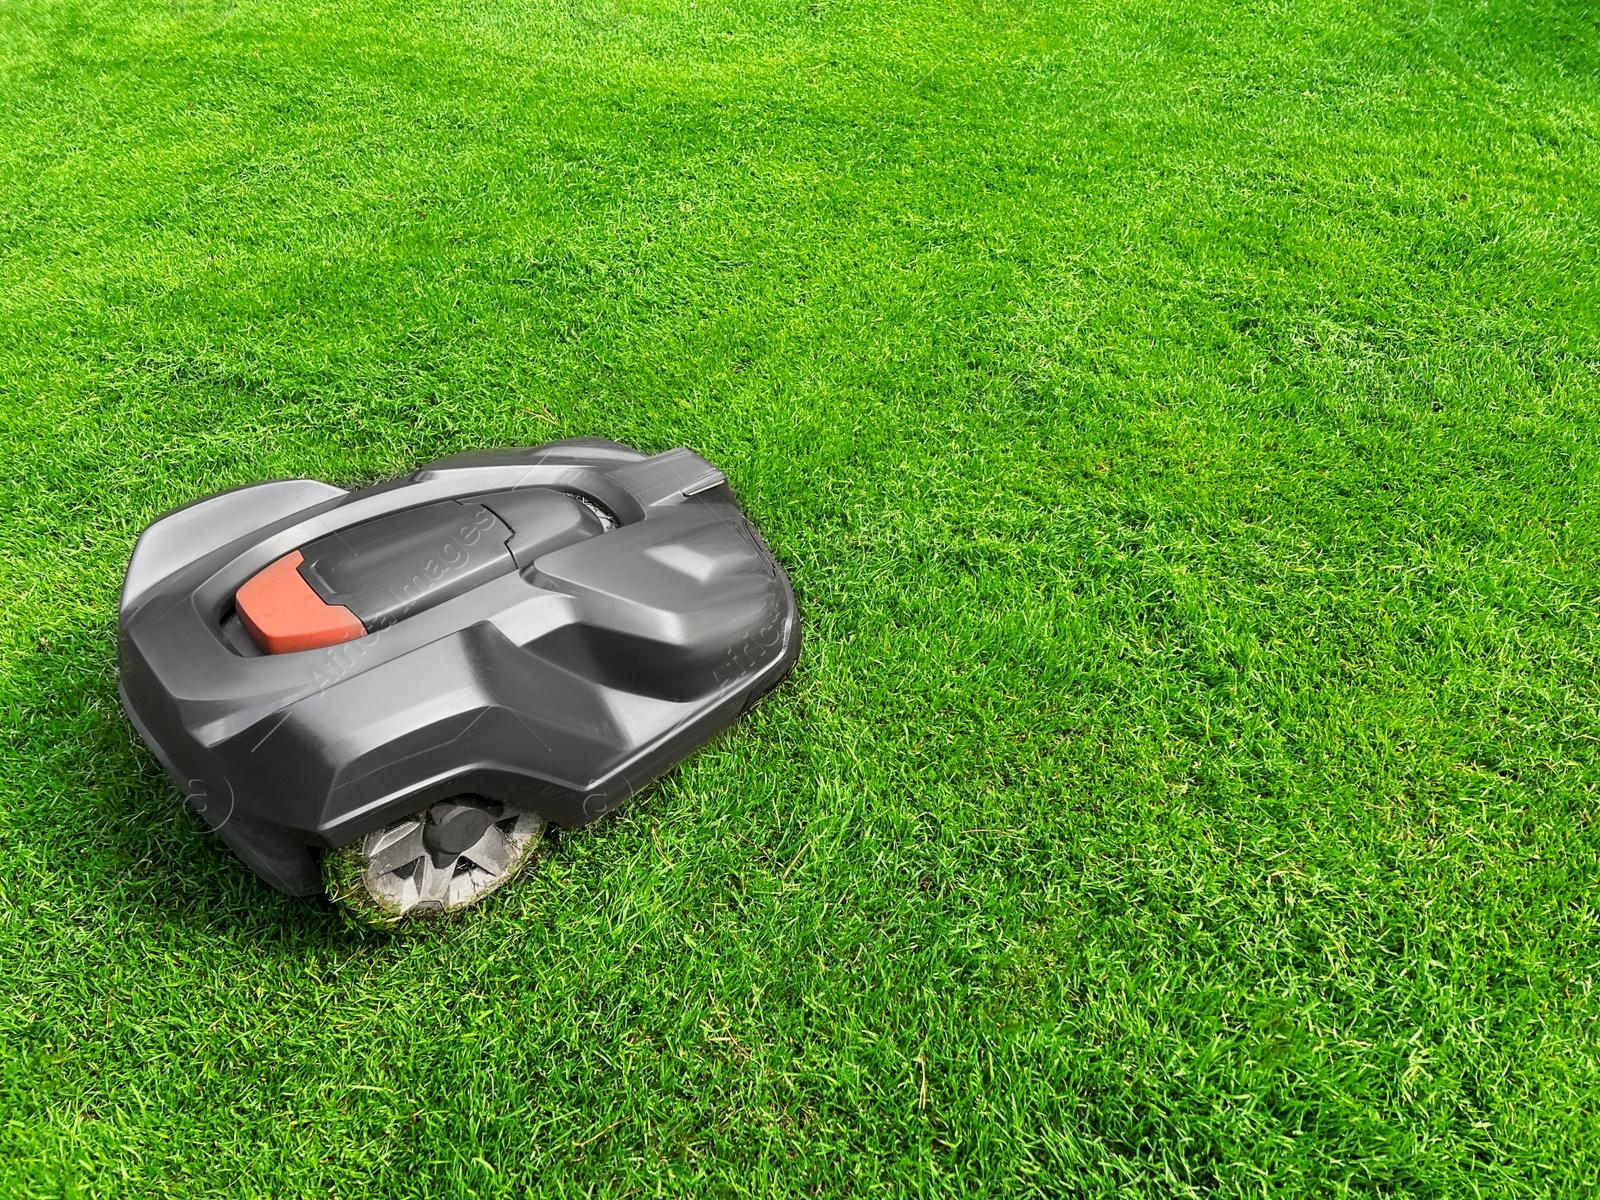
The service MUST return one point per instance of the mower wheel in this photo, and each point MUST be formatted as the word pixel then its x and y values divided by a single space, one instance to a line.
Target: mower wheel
pixel 441 860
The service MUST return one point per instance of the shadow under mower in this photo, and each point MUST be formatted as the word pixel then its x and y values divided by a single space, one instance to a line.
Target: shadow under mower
pixel 386 694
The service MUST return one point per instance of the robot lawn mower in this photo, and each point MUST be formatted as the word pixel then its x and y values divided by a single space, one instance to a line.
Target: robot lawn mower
pixel 408 681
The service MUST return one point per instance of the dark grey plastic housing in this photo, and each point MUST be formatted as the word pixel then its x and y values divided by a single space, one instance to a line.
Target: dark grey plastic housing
pixel 619 611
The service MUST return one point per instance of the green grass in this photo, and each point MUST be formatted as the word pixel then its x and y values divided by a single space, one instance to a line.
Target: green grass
pixel 1181 422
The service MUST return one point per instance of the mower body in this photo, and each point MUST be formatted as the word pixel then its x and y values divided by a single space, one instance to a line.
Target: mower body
pixel 550 628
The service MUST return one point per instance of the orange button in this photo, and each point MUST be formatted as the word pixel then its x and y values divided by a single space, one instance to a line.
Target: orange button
pixel 282 613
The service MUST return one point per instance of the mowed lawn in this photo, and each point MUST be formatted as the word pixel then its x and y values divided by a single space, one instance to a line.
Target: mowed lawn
pixel 1181 422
